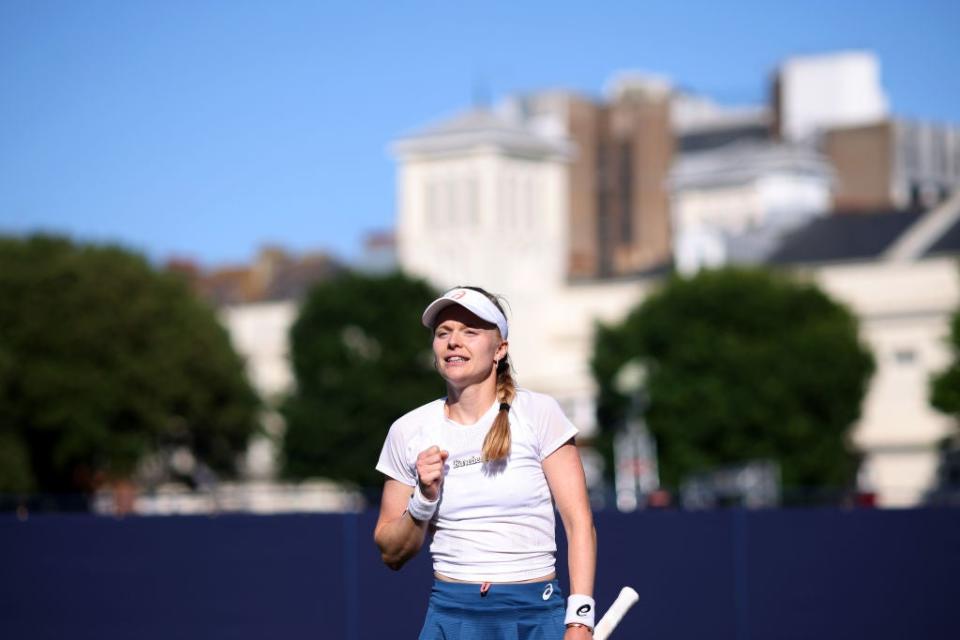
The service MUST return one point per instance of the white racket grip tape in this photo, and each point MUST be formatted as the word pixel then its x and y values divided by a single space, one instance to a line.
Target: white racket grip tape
pixel 627 598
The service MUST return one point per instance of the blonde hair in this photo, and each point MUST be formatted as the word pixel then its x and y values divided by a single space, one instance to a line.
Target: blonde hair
pixel 496 446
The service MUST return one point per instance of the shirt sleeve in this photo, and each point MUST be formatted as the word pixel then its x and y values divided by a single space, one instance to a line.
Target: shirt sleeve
pixel 393 461
pixel 552 426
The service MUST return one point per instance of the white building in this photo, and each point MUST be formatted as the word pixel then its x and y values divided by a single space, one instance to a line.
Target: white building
pixel 734 203
pixel 479 196
pixel 898 273
pixel 830 90
pixel 259 332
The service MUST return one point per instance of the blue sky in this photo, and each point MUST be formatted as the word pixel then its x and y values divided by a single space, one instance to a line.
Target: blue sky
pixel 204 129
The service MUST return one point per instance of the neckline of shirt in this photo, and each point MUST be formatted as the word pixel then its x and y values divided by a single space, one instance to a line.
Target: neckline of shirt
pixel 486 418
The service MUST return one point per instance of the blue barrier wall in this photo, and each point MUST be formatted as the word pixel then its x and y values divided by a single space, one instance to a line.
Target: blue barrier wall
pixel 741 575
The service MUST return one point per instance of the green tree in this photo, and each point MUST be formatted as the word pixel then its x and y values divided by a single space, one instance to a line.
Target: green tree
pixel 102 360
pixel 361 360
pixel 945 385
pixel 742 364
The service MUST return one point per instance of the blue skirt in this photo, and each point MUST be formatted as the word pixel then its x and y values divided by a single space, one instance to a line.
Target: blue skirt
pixel 527 611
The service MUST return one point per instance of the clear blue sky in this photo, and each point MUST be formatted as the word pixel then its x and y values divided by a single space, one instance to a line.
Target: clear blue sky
pixel 204 129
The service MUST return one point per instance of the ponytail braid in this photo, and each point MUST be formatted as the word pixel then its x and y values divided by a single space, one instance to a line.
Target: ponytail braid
pixel 496 446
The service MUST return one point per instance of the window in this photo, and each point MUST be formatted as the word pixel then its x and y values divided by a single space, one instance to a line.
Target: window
pixel 450 203
pixel 510 196
pixel 626 193
pixel 905 356
pixel 472 194
pixel 430 203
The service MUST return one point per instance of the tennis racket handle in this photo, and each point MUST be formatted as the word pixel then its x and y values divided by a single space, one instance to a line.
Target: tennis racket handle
pixel 627 598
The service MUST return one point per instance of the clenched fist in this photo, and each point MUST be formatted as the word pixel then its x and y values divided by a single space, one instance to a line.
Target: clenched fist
pixel 430 471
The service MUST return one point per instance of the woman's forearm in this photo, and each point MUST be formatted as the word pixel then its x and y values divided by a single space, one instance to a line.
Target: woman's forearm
pixel 582 556
pixel 399 539
pixel 564 473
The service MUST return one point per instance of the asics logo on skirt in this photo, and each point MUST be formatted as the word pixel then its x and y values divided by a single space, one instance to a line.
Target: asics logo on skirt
pixel 548 592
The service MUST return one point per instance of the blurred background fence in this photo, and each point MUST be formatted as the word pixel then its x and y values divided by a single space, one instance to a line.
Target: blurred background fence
pixel 737 574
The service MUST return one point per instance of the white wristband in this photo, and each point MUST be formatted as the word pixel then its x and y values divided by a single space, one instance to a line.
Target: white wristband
pixel 419 507
pixel 580 609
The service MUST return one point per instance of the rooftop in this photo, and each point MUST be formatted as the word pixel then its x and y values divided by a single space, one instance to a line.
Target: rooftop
pixel 478 128
pixel 840 237
pixel 948 243
pixel 744 161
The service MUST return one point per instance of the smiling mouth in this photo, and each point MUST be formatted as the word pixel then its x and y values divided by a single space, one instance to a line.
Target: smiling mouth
pixel 455 360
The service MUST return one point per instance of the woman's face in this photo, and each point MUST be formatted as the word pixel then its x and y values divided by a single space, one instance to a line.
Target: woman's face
pixel 466 347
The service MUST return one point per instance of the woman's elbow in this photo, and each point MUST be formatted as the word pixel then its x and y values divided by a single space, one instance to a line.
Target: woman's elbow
pixel 391 555
pixel 396 558
pixel 392 561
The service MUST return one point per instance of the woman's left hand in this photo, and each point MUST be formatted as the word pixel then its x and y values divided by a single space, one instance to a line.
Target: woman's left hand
pixel 577 633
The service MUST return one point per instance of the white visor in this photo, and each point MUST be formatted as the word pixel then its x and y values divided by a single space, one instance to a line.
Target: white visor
pixel 473 301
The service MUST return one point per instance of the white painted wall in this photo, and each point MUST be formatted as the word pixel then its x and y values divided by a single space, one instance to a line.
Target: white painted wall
pixel 732 208
pixel 904 310
pixel 259 333
pixel 831 90
pixel 791 199
pixel 705 218
pixel 512 238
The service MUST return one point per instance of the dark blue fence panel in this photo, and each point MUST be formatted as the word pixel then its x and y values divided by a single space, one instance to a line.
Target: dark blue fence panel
pixel 854 574
pixel 679 563
pixel 185 577
pixel 734 575
pixel 392 603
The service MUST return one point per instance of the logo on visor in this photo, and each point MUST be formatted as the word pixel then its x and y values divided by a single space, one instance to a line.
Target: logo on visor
pixel 548 592
pixel 456 295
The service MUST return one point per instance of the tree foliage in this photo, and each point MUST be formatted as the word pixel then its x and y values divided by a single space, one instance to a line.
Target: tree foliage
pixel 742 365
pixel 945 385
pixel 361 360
pixel 102 360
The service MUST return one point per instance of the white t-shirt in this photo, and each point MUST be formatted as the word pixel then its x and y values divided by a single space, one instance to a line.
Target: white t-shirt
pixel 495 521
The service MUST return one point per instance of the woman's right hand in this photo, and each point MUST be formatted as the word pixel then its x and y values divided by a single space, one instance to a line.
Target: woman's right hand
pixel 430 471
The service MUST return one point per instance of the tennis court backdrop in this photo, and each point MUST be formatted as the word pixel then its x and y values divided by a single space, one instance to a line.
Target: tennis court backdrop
pixel 729 574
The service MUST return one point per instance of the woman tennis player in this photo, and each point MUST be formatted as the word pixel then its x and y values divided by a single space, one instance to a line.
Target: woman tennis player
pixel 480 470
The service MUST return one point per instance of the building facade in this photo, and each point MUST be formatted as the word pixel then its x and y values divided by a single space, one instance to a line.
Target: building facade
pixel 733 204
pixel 819 92
pixel 574 209
pixel 893 164
pixel 623 148
pixel 754 194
